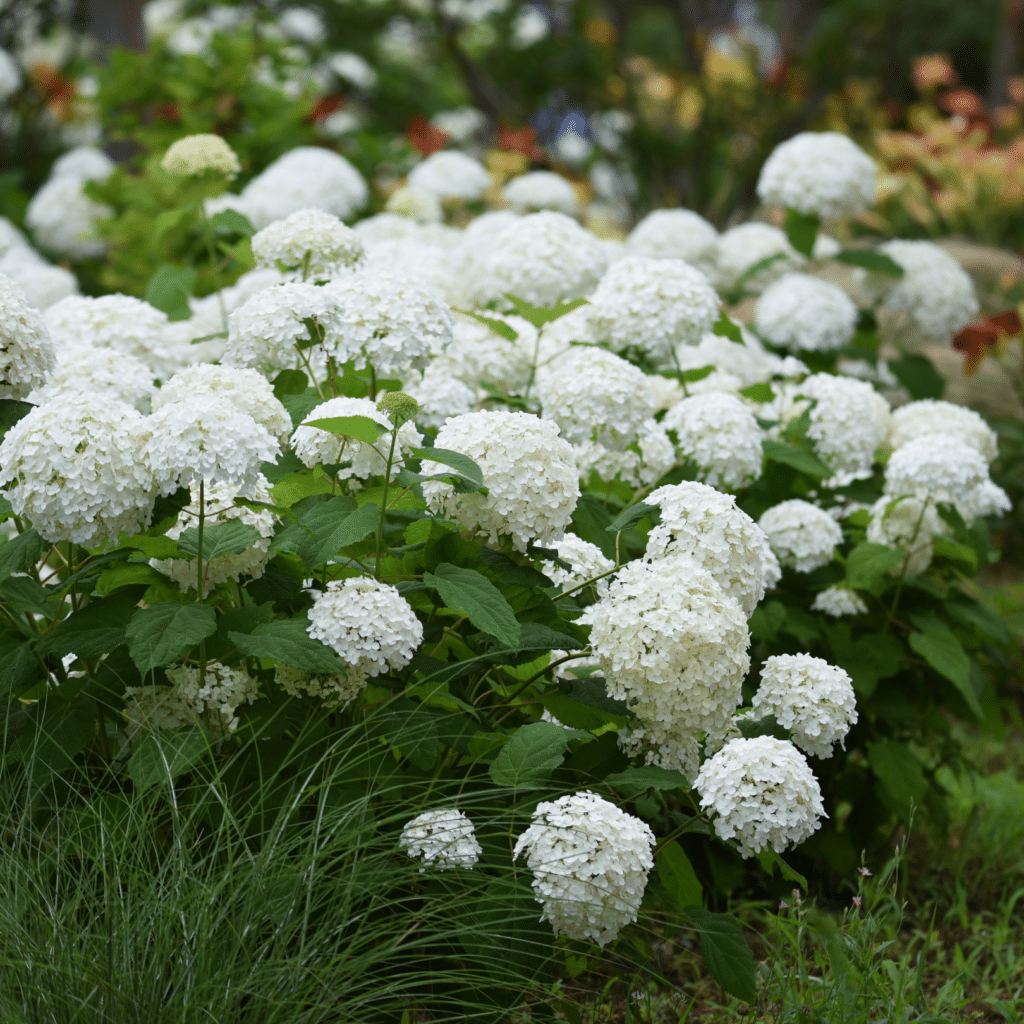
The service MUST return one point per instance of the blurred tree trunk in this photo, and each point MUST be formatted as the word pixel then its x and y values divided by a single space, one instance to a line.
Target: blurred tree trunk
pixel 116 23
pixel 1005 51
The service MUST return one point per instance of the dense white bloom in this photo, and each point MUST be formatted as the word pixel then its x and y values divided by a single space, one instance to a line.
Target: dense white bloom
pixel 416 204
pixel 368 624
pixel 988 500
pixel 11 238
pixel 674 234
pixel 445 838
pixel 825 173
pixel 356 459
pixel 644 463
pixel 206 438
pixel 837 602
pixel 930 416
pixel 416 259
pixel 673 645
pixel 308 244
pixel 741 248
pixel 76 470
pixel 540 190
pixel 222 691
pixel 527 468
pixel 450 174
pixel 762 792
pixel 26 349
pixel 262 331
pixel 195 154
pixel 219 507
pixel 390 322
pixel 460 123
pixel 708 528
pixel 86 163
pixel 63 219
pixel 801 534
pixel 594 395
pixel 811 698
pixel 470 255
pixel 333 690
pixel 653 305
pixel 907 523
pixel 587 561
pixel 10 76
pixel 248 390
pixel 721 435
pixel 544 259
pixel 304 24
pixel 933 299
pixel 42 283
pixel 590 861
pixel 479 355
pixel 440 395
pixel 805 313
pixel 353 69
pixel 101 372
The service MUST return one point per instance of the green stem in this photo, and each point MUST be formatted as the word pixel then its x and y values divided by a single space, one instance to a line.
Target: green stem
pixel 200 575
pixel 906 563
pixel 373 384
pixel 384 498
pixel 208 237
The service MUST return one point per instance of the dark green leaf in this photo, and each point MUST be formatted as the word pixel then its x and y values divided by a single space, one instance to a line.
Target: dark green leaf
pixel 161 755
pixel 631 516
pixel 868 564
pixel 169 290
pixel 941 649
pixel 512 573
pixel 726 328
pixel 300 404
pixel 20 554
pixel 335 525
pixel 592 693
pixel 92 631
pixel 727 956
pixel 590 521
pixel 919 376
pixel 462 464
pixel 11 411
pixel 56 731
pixel 473 595
pixel 534 636
pixel 801 459
pixel 899 771
pixel 649 777
pixel 802 230
pixel 676 874
pixel 363 428
pixel 158 635
pixel 530 756
pixel 232 222
pixel 771 861
pixel 876 262
pixel 228 538
pixel 412 730
pixel 287 642
pixel 290 382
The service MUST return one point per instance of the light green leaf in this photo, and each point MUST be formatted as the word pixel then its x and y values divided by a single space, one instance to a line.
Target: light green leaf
pixel 287 642
pixel 462 464
pixel 126 574
pixel 676 874
pixel 293 487
pixel 506 331
pixel 229 538
pixel 541 315
pixel 232 222
pixel 760 392
pixel 869 564
pixel 335 524
pixel 941 649
pixel 727 956
pixel 918 375
pixel 649 777
pixel 726 328
pixel 362 428
pixel 899 771
pixel 770 860
pixel 692 376
pixel 472 594
pixel 802 459
pixel 158 635
pixel 169 290
pixel 530 756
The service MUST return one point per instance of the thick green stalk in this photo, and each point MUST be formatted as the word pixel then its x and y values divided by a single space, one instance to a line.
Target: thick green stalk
pixel 384 498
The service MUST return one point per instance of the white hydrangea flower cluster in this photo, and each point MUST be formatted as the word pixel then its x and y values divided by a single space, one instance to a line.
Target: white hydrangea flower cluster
pixel 933 299
pixel 593 395
pixel 155 707
pixel 77 469
pixel 195 154
pixel 673 645
pixel 706 526
pixel 10 76
pixel 333 691
pixel 220 694
pixel 479 355
pixel 587 561
pixel 450 174
pixel 811 698
pixel 590 861
pixel 389 322
pixel 762 792
pixel 646 463
pixel 540 190
pixel 838 602
pixel 416 204
pixel 368 624
pixel 444 838
pixel 825 173
pixel 801 534
pixel 746 364
pixel 219 507
pixel 357 460
pixel 544 259
pixel 741 248
pixel 440 395
pixel 42 283
pixel 26 349
pixel 721 435
pixel 100 372
pixel 675 234
pixel 307 245
pixel 653 305
pixel 805 313
pixel 931 416
pixel 528 469
pixel 907 523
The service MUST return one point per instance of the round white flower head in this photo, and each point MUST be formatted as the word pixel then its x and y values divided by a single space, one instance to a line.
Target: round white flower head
pixel 749 362
pixel 307 176
pixel 368 624
pixel 471 254
pixel 75 469
pixel 118 322
pixel 356 459
pixel 590 861
pixel 707 527
pixel 527 468
pixel 653 305
pixel 837 602
pixel 646 463
pixel 849 421
pixel 99 371
pixel 444 838
pixel 418 260
pixel 416 204
pixel 11 238
pixel 384 227
pixel 10 76
pixel 933 299
pixel 249 391
pixel 195 154
pixel 307 244
pixel 674 234
pixel 762 792
pixel 42 283
pixel 63 219
pixel 304 24
pixel 673 645
pixel 721 435
pixel 206 438
pixel 805 313
pixel 219 507
pixel 937 468
pixel 540 190
pixel 741 248
pixel 907 523
pixel 825 173
pixel 86 163
pixel 390 322
pixel 26 349
pixel 544 259
pixel 223 690
pixel 332 690
pixel 801 534
pixel 450 174
pixel 440 395
pixel 587 561
pixel 594 395
pixel 262 332
pixel 811 698
pixel 479 355
pixel 930 416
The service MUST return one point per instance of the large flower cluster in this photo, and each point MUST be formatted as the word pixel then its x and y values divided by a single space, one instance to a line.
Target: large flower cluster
pixel 801 534
pixel 540 190
pixel 100 372
pixel 930 416
pixel 26 350
pixel 444 838
pixel 805 313
pixel 674 234
pixel 195 154
pixel 307 244
pixel 451 175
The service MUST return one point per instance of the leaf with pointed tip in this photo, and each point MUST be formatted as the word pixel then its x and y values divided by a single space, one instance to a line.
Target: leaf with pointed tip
pixel 158 635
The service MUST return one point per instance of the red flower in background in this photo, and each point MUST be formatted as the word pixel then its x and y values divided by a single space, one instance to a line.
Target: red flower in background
pixel 325 106
pixel 975 339
pixel 521 140
pixel 422 135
